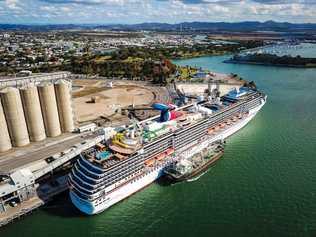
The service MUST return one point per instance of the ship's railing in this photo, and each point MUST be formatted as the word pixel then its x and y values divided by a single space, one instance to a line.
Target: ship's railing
pixel 93 192
pixel 237 105
pixel 151 148
pixel 103 176
pixel 83 176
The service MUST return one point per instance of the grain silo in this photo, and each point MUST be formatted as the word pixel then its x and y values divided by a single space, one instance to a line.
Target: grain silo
pixel 49 109
pixel 13 110
pixel 33 113
pixel 5 142
pixel 63 97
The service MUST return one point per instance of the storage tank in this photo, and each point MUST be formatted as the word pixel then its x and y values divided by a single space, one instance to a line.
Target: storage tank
pixel 13 110
pixel 33 113
pixel 49 109
pixel 64 105
pixel 5 142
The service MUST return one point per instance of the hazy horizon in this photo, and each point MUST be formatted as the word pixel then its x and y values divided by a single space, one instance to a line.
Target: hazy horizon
pixel 146 22
pixel 162 11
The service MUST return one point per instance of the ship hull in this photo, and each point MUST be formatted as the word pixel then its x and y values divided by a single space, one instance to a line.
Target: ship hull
pixel 117 195
pixel 126 190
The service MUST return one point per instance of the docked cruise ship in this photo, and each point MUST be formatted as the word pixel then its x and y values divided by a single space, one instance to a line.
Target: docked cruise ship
pixel 133 157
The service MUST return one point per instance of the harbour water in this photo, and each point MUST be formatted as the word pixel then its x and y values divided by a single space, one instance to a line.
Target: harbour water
pixel 263 186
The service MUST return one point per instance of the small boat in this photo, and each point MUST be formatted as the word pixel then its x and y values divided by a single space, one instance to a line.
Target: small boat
pixel 188 168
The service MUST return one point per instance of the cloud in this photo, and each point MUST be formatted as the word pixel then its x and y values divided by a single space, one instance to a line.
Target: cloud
pixel 171 11
pixel 268 2
pixel 281 2
pixel 217 2
pixel 12 4
pixel 85 2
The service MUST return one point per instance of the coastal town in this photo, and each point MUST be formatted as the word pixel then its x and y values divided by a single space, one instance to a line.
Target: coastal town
pixel 60 50
pixel 36 50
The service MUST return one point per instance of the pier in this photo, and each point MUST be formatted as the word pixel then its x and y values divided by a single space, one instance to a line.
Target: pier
pixel 30 183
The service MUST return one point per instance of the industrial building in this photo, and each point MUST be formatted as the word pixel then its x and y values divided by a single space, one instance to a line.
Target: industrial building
pixel 35 111
pixel 36 120
pixel 34 79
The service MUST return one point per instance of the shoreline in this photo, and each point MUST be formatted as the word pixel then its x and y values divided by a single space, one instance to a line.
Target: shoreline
pixel 201 55
pixel 267 64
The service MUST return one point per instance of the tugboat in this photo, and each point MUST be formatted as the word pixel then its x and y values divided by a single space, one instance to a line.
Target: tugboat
pixel 185 169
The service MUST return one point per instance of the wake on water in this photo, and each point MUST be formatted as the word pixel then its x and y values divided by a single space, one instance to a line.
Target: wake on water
pixel 197 177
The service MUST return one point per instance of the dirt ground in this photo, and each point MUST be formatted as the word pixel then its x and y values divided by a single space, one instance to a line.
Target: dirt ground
pixel 108 100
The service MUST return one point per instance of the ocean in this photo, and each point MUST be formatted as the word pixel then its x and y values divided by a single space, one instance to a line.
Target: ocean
pixel 265 184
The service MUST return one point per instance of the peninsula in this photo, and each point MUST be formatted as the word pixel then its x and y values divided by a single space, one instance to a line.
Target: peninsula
pixel 273 60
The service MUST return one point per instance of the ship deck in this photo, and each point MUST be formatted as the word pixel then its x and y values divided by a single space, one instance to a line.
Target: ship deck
pixel 162 140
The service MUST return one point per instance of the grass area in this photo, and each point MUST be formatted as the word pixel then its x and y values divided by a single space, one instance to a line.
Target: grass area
pixel 102 59
pixel 133 60
pixel 186 72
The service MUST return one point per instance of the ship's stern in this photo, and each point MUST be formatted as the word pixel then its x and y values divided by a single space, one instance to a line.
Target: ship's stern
pixel 83 205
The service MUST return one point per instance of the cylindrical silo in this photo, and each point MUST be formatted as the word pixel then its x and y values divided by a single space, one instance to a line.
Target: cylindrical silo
pixel 13 111
pixel 49 109
pixel 5 142
pixel 33 113
pixel 63 97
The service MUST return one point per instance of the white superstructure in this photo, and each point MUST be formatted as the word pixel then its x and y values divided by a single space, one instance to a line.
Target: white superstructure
pixel 107 175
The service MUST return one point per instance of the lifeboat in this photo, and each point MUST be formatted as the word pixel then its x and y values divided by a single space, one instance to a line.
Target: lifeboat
pixel 160 157
pixel 222 125
pixel 210 130
pixel 169 151
pixel 150 162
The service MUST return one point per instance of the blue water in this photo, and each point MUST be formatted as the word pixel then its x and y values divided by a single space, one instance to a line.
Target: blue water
pixel 265 185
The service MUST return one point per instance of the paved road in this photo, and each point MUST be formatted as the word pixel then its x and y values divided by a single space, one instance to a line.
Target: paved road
pixel 9 163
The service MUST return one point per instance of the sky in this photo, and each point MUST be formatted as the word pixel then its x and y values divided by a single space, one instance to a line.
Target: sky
pixel 168 11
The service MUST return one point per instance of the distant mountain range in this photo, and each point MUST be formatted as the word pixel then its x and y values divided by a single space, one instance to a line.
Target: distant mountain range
pixel 185 26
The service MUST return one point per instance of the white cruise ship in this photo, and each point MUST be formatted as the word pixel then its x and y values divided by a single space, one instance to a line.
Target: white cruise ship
pixel 134 157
